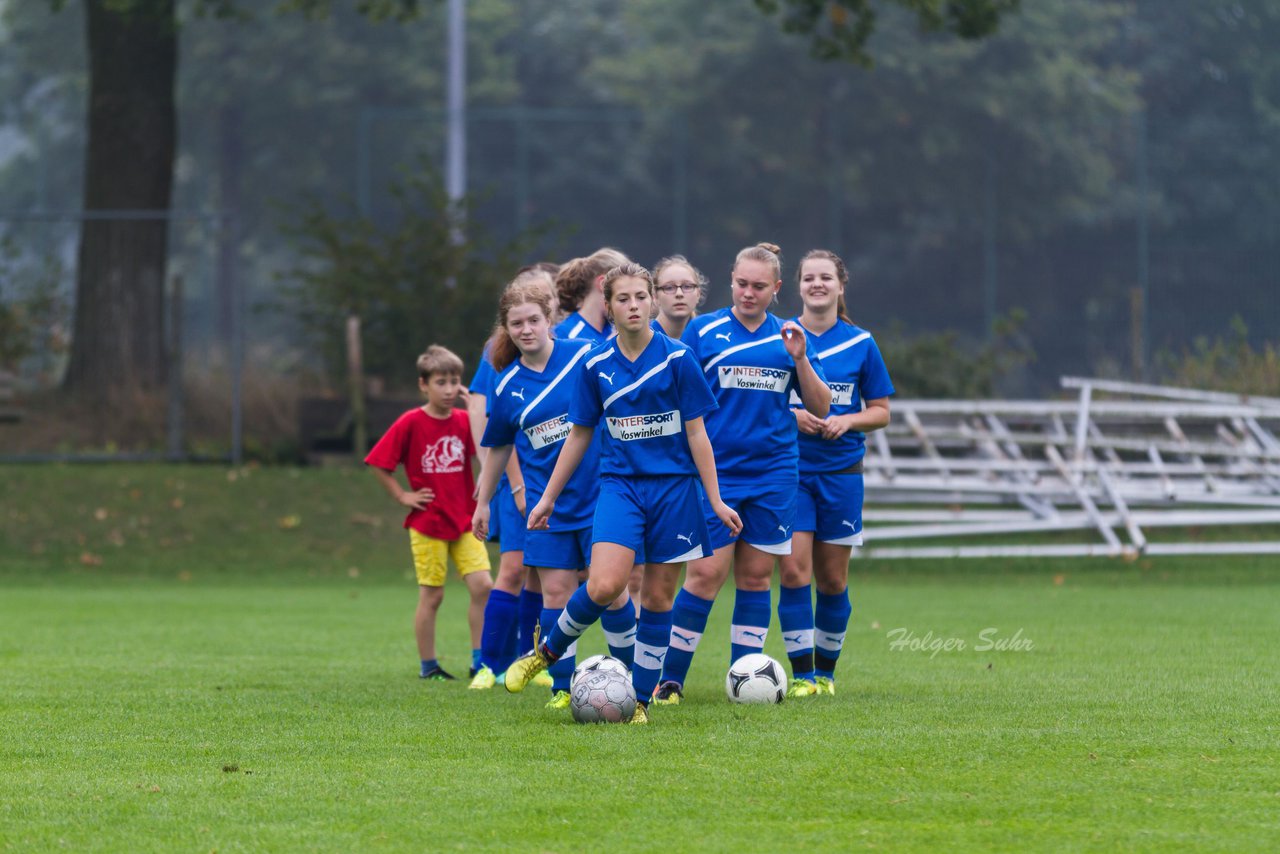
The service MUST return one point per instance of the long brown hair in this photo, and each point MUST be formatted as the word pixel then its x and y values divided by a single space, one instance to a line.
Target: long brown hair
pixel 577 276
pixel 502 350
pixel 842 273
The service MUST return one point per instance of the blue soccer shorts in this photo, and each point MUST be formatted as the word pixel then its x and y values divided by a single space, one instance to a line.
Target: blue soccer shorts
pixel 767 510
pixel 558 549
pixel 830 505
pixel 660 517
pixel 506 525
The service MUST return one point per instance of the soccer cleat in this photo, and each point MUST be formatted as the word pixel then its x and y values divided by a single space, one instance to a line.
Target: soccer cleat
pixel 542 680
pixel 801 688
pixel 524 668
pixel 826 686
pixel 559 700
pixel 641 715
pixel 668 694
pixel 438 674
pixel 483 680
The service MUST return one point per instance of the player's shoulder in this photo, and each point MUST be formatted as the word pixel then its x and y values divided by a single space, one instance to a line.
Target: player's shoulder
pixel 461 420
pixel 569 327
pixel 503 378
pixel 600 352
pixel 703 324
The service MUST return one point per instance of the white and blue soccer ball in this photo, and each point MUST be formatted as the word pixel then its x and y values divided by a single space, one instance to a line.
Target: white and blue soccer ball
pixel 603 696
pixel 756 678
pixel 596 663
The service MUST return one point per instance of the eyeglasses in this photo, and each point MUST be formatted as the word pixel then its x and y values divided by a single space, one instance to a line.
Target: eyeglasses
pixel 682 287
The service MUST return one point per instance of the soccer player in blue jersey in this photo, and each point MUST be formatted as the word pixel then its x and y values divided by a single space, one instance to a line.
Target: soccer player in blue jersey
pixel 753 362
pixel 515 602
pixel 648 397
pixel 829 506
pixel 679 288
pixel 579 288
pixel 530 413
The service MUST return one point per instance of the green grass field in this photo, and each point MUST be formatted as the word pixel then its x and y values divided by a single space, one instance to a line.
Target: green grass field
pixel 194 662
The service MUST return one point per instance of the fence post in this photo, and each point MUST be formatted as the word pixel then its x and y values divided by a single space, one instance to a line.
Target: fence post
pixel 355 389
pixel 174 417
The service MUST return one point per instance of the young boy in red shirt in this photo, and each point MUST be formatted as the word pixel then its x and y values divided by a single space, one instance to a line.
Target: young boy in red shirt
pixel 434 444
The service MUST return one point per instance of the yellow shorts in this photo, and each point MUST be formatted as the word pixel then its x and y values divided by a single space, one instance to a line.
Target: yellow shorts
pixel 430 557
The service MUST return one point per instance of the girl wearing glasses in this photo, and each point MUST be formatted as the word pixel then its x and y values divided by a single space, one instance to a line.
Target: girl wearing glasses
pixel 679 288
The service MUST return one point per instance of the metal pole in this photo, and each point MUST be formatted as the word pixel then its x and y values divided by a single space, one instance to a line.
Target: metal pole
pixel 456 135
pixel 175 426
pixel 989 257
pixel 364 130
pixel 1144 252
pixel 229 232
pixel 680 201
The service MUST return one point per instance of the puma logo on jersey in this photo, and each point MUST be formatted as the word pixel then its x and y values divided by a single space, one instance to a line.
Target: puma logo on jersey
pixel 518 393
pixel 688 539
pixel 852 527
pixel 609 377
pixel 724 335
pixel 783 529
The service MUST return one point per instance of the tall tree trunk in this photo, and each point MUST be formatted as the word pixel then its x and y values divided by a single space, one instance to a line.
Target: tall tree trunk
pixel 119 320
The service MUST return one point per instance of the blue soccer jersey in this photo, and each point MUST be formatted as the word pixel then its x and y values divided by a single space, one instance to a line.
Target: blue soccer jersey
pixel 529 409
pixel 644 405
pixel 855 372
pixel 752 376
pixel 576 326
pixel 482 380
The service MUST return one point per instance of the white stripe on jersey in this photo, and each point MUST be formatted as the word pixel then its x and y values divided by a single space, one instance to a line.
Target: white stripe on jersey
pixel 591 363
pixel 704 330
pixel 573 333
pixel 648 375
pixel 563 372
pixel 709 365
pixel 497 391
pixel 857 339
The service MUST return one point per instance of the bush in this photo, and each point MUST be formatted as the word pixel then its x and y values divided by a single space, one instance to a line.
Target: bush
pixel 1224 363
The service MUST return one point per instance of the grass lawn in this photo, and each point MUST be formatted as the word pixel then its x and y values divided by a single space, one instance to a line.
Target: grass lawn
pixel 192 660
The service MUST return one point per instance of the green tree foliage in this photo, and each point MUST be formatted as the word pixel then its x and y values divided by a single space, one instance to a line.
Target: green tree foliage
pixel 949 365
pixel 839 29
pixel 410 283
pixel 1227 362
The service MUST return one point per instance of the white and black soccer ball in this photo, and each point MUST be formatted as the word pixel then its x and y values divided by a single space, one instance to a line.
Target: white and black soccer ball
pixel 597 663
pixel 756 678
pixel 603 697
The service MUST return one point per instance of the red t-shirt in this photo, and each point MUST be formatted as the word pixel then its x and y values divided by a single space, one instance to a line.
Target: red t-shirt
pixel 436 454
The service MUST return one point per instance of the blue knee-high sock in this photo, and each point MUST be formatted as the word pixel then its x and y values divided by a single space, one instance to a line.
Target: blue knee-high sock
pixel 750 623
pixel 530 611
pixel 688 622
pixel 795 614
pixel 653 634
pixel 575 619
pixel 562 669
pixel 499 618
pixel 832 619
pixel 619 626
pixel 511 641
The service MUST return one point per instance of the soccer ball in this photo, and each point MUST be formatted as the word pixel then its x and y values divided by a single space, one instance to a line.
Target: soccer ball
pixel 596 663
pixel 756 678
pixel 603 696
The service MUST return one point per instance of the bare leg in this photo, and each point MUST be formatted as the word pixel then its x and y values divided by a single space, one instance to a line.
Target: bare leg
pixel 478 585
pixel 424 620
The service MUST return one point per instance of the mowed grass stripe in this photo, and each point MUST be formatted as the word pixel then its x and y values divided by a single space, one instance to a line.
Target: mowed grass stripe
pixel 1142 718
